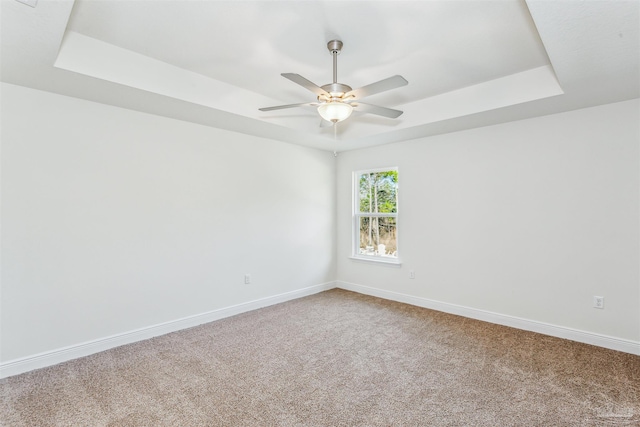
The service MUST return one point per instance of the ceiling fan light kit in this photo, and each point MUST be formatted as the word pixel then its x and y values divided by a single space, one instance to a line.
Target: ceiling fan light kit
pixel 336 101
pixel 335 111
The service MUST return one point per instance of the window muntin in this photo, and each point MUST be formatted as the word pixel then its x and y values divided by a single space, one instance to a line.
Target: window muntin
pixel 375 219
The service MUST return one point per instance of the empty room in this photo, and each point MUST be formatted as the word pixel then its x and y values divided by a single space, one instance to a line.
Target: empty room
pixel 320 213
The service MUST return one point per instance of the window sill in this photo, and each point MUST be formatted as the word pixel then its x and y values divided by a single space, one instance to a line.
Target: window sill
pixel 378 260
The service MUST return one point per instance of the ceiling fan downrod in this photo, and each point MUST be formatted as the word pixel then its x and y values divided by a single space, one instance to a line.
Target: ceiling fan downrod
pixel 335 89
pixel 335 46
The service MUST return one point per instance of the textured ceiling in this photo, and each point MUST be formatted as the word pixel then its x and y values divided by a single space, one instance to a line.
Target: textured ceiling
pixel 468 63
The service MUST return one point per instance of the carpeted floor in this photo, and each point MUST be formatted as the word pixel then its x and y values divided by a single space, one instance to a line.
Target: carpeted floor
pixel 335 359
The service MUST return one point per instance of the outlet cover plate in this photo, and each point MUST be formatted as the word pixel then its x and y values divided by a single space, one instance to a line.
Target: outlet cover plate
pixel 598 302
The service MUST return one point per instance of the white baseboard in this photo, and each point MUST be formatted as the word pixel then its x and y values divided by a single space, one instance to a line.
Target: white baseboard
pixel 18 366
pixel 42 360
pixel 612 343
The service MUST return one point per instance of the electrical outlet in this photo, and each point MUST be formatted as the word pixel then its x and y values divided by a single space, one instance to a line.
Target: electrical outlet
pixel 247 279
pixel 598 302
pixel 412 274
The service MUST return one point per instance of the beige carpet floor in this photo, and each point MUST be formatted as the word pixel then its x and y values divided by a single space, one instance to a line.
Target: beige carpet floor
pixel 335 359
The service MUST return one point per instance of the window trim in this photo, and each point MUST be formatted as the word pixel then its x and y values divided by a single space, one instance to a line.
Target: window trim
pixel 356 215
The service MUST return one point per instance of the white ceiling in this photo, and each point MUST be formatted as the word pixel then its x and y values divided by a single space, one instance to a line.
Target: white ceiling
pixel 468 63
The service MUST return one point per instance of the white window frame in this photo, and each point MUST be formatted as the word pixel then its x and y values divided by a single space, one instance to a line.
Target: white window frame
pixel 356 215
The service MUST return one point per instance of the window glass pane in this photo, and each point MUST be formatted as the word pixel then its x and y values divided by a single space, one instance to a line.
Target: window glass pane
pixel 378 192
pixel 377 236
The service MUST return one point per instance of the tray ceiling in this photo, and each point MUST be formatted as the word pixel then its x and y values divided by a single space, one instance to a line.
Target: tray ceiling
pixel 468 63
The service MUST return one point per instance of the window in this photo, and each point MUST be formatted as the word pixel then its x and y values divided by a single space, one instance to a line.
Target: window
pixel 375 215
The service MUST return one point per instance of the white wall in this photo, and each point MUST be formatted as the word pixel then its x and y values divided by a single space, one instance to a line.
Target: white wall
pixel 528 219
pixel 114 220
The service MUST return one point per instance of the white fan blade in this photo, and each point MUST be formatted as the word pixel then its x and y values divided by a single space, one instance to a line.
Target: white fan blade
pixel 282 107
pixel 374 109
pixel 297 78
pixel 377 87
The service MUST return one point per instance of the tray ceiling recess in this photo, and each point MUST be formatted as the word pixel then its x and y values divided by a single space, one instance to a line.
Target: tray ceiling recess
pixel 468 63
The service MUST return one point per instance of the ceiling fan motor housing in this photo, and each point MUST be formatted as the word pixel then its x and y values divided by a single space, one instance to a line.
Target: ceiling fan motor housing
pixel 336 90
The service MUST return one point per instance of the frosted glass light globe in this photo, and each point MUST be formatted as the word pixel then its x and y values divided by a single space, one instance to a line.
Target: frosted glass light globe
pixel 335 111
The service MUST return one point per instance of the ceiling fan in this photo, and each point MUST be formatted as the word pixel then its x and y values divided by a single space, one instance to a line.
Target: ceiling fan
pixel 336 101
